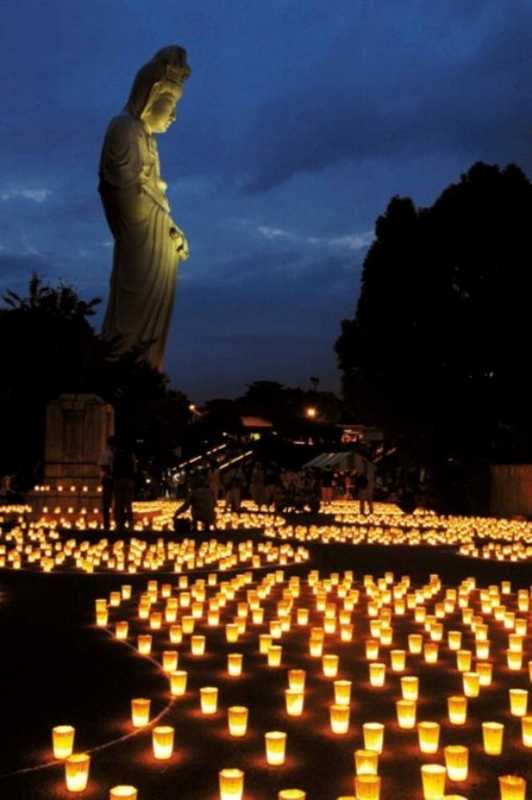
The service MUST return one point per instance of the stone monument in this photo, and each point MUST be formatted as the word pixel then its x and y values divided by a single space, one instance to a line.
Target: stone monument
pixel 148 245
pixel 77 429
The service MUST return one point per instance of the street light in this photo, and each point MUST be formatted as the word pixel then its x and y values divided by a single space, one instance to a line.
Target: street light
pixel 311 412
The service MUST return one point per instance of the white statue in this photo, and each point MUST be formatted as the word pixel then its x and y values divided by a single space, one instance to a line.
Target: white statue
pixel 148 244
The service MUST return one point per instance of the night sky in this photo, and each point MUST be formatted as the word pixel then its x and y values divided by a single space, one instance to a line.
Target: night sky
pixel 301 119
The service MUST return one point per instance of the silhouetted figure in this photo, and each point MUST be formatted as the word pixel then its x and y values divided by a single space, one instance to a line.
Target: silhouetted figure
pixel 124 468
pixel 202 504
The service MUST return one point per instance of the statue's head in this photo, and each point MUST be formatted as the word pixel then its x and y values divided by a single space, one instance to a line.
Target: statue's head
pixel 158 87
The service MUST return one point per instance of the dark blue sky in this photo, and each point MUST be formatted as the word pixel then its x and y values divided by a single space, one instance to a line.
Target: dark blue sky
pixel 300 121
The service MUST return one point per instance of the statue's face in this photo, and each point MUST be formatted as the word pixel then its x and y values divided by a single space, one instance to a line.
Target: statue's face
pixel 161 113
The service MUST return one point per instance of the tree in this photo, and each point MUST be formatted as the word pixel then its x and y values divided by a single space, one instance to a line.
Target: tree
pixel 436 345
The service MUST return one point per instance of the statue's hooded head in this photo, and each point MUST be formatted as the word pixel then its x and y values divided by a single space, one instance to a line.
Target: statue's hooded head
pixel 158 87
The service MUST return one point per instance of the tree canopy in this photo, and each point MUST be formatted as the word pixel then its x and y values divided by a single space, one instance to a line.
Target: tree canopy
pixel 438 341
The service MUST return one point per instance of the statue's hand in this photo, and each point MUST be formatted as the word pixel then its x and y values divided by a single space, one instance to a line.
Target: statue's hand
pixel 181 243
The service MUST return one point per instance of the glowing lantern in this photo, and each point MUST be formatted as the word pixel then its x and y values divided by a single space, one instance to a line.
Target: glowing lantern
pixel 102 617
pixel 123 793
pixel 366 762
pixel 274 655
pixel 257 616
pixel 178 683
pixel 77 772
pixel 144 644
pixel 406 713
pixel 456 762
pixel 234 664
pixel 315 647
pixel 121 630
pixel 526 731
pixel 454 640
pixel 428 736
pixel 492 735
pixel 163 742
pixel 156 620
pixel 342 693
pixel 471 682
pixel 237 717
pixel 386 635
pixel 209 699
pixel 398 658
pixel 367 787
pixel 197 645
pixel 512 787
pixel 140 712
pixel 169 660
pixel 410 687
pixel 415 643
pixel 482 649
pixel 373 733
pixel 518 702
pixel 63 740
pixel 457 709
pixel 463 660
pixel 433 780
pixel 291 794
pixel 295 699
pixel 377 673
pixel 485 670
pixel 339 718
pixel 302 616
pixel 430 652
pixel 330 665
pixel 296 679
pixel 275 742
pixel 265 642
pixel 372 649
pixel 231 784
pixel 514 659
pixel 188 623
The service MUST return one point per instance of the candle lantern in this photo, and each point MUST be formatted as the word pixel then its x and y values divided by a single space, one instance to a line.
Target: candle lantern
pixel 330 665
pixel 386 635
pixel 292 794
pixel 346 633
pixel 140 712
pixel 463 660
pixel 339 718
pixel 410 687
pixel 526 731
pixel 482 649
pixel 188 623
pixel 302 616
pixel 398 658
pixel 372 649
pixel 178 683
pixel 315 647
pixel 197 645
pixel 342 693
pixel 433 780
pixel 295 699
pixel 512 787
pixel 471 682
pixel 406 713
pixel 144 644
pixel 238 720
pixel 367 787
pixel 170 658
pixel 257 615
pixel 274 655
pixel 102 617
pixel 514 659
pixel 296 679
pixel 121 630
pixel 492 735
pixel 231 783
pixel 234 664
pixel 485 671
pixel 163 742
pixel 430 652
pixel 176 634
pixel 275 742
pixel 366 762
pixel 428 736
pixel 265 642
pixel 156 620
pixel 209 699
pixel 77 772
pixel 63 740
pixel 123 793
pixel 456 762
pixel 518 702
pixel 373 733
pixel 454 640
pixel 415 643
pixel 457 709
pixel 377 673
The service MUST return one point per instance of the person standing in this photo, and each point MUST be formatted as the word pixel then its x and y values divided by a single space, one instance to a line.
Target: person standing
pixel 124 469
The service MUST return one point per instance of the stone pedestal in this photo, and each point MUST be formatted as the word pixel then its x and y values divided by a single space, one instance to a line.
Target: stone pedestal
pixel 77 429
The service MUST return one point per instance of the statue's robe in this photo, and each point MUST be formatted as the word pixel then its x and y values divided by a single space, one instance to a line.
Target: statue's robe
pixel 145 260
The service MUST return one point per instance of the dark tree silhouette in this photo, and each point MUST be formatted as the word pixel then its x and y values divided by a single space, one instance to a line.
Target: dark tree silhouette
pixel 437 347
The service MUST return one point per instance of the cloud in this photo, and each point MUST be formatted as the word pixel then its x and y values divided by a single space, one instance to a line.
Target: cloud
pixel 35 195
pixel 352 241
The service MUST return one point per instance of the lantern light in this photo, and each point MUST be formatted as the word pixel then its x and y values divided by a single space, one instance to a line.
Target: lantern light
pixel 163 742
pixel 63 740
pixel 77 772
pixel 231 782
pixel 275 742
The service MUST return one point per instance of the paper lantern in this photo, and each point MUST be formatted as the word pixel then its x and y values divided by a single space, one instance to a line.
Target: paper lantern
pixel 163 742
pixel 372 649
pixel 342 693
pixel 302 616
pixel 296 679
pixel 156 620
pixel 231 783
pixel 339 718
pixel 433 781
pixel 457 709
pixel 170 659
pixel 294 699
pixel 275 742
pixel 257 615
pixel 471 682
pixel 178 683
pixel 123 793
pixel 209 699
pixel 463 660
pixel 330 665
pixel 485 671
pixel 197 645
pixel 430 652
pixel 176 634
pixel 274 655
pixel 456 762
pixel 373 733
pixel 377 673
pixel 316 647
pixel 144 644
pixel 102 617
pixel 366 762
pixel 234 664
pixel 121 630
pixel 518 702
pixel 410 687
pixel 514 659
pixel 398 658
pixel 63 740
pixel 454 640
pixel 415 643
pixel 406 713
pixel 237 717
pixel 386 636
pixel 428 736
pixel 188 624
pixel 77 772
pixel 492 735
pixel 291 794
pixel 512 787
pixel 526 731
pixel 140 712
pixel 367 787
